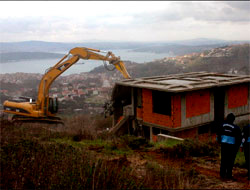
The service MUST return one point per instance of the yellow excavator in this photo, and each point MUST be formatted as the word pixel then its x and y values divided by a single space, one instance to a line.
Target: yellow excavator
pixel 44 109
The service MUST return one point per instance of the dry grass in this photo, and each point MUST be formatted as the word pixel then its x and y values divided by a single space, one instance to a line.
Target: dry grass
pixel 38 156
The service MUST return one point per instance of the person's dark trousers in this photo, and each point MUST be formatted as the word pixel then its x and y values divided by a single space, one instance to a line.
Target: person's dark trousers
pixel 246 153
pixel 228 154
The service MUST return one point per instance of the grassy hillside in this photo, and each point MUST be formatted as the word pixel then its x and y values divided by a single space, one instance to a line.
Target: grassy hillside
pixel 81 155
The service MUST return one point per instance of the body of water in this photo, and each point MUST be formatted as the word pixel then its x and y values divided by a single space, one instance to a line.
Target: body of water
pixel 40 66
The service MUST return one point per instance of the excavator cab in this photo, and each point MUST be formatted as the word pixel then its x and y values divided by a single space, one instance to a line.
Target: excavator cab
pixel 53 105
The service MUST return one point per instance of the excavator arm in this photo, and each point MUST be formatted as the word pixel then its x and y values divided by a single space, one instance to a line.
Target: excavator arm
pixel 40 108
pixel 66 62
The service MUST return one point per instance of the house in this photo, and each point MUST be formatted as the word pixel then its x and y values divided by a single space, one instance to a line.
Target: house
pixel 187 105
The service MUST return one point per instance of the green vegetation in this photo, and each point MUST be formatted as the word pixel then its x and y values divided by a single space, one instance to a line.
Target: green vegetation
pixel 240 160
pixel 51 157
pixel 95 100
pixel 166 143
pixel 30 164
pixel 190 148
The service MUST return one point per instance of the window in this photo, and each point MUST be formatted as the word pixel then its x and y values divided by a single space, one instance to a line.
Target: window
pixel 156 131
pixel 139 97
pixel 161 102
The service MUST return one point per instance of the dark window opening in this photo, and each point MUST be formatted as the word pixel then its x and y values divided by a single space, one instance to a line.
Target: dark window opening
pixel 146 132
pixel 53 105
pixel 161 102
pixel 156 131
pixel 139 97
pixel 203 129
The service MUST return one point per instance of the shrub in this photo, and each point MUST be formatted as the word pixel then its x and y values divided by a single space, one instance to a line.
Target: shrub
pixel 191 148
pixel 166 143
pixel 135 142
pixel 240 160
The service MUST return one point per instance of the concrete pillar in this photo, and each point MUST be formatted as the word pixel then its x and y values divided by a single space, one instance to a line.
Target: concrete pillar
pixel 151 134
pixel 133 101
pixel 133 108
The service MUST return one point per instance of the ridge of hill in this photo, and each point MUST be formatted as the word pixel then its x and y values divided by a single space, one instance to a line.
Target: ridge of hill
pixel 20 56
pixel 179 46
pixel 177 49
pixel 228 59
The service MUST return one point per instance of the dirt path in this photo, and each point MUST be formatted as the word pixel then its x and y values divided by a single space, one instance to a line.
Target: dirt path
pixel 206 166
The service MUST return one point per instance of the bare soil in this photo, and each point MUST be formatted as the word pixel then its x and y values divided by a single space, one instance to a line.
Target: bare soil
pixel 208 168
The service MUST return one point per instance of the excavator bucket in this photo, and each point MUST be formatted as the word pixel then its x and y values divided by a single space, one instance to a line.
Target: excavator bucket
pixel 121 67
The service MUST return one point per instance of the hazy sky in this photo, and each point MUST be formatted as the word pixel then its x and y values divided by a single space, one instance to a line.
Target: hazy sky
pixel 79 21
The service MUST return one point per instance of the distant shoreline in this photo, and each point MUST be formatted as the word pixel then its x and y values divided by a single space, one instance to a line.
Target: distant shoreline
pixel 11 57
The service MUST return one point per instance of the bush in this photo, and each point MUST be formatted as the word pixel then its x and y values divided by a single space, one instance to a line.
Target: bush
pixel 135 142
pixel 166 143
pixel 191 148
pixel 240 160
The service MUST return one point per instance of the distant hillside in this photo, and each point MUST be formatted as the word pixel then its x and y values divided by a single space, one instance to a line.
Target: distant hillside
pixel 42 46
pixel 165 47
pixel 20 56
pixel 227 59
pixel 176 49
pixel 208 41
pixel 182 47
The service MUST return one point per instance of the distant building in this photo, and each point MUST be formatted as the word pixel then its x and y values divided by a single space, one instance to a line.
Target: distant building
pixel 106 84
pixel 95 92
pixel 188 105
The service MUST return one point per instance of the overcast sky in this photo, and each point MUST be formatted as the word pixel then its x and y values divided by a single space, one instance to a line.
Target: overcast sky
pixel 79 21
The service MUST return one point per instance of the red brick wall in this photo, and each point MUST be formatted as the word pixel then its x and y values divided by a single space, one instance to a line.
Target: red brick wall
pixel 204 137
pixel 193 134
pixel 147 111
pixel 213 136
pixel 154 138
pixel 237 96
pixel 197 103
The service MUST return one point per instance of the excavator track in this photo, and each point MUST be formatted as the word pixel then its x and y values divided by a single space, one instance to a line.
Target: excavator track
pixel 17 119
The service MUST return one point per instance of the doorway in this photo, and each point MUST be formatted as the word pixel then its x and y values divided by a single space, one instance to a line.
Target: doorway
pixel 219 105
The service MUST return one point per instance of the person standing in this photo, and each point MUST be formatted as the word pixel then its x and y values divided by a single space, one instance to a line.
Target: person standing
pixel 229 136
pixel 246 146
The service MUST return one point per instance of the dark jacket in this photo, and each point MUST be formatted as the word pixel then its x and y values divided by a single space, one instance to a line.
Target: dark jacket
pixel 229 134
pixel 246 135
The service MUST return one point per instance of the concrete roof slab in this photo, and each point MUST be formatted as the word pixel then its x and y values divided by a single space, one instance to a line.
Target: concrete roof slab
pixel 185 81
